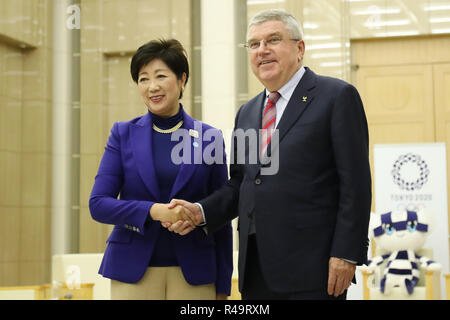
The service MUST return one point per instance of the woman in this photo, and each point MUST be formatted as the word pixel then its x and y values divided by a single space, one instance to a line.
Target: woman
pixel 143 259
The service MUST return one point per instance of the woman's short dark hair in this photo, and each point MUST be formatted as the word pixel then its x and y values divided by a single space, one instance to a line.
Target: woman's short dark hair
pixel 170 51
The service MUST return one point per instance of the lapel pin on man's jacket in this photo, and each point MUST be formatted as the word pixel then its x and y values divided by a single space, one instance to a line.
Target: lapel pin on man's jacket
pixel 305 98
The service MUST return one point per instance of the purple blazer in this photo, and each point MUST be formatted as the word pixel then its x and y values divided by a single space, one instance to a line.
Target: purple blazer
pixel 127 169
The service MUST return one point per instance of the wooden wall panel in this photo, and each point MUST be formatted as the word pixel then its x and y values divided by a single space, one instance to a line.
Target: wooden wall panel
pixel 441 82
pixel 20 21
pixel 109 38
pixel 405 86
pixel 10 161
pixel 399 94
pixel 400 50
pixel 25 141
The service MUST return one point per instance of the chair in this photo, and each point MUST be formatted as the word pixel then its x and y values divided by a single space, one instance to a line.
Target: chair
pixel 235 294
pixel 22 293
pixel 88 265
pixel 428 287
pixel 447 285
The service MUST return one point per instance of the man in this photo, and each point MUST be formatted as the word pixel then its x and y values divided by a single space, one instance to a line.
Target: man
pixel 302 230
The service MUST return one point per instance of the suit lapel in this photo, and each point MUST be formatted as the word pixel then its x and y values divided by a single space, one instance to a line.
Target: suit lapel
pixel 300 100
pixel 141 140
pixel 187 169
pixel 255 123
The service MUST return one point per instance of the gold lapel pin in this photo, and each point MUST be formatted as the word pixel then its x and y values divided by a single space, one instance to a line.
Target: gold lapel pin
pixel 305 98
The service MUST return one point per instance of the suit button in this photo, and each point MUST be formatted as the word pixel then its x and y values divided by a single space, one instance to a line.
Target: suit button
pixel 258 181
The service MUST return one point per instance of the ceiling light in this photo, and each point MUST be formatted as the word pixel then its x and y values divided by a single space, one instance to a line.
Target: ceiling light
pixel 376 24
pixel 324 37
pixel 397 33
pixel 375 11
pixel 437 8
pixel 440 30
pixel 327 55
pixel 308 25
pixel 324 46
pixel 331 64
pixel 251 2
pixel 439 20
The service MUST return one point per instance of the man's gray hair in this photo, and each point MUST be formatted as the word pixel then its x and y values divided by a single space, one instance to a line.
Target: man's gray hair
pixel 290 22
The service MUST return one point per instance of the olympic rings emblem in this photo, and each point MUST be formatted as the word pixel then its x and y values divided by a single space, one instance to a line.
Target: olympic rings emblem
pixel 411 184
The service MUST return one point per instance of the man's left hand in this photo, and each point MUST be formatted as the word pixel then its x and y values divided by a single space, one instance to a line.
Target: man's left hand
pixel 340 275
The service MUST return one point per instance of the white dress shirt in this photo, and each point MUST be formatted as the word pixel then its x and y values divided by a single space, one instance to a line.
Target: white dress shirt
pixel 286 93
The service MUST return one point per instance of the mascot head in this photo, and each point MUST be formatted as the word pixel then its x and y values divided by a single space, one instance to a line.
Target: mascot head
pixel 400 229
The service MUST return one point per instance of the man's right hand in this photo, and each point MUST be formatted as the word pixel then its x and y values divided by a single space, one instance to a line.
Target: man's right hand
pixel 192 210
pixel 172 214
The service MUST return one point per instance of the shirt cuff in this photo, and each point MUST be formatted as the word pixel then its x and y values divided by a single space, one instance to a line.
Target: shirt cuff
pixel 203 214
pixel 351 261
pixel 203 224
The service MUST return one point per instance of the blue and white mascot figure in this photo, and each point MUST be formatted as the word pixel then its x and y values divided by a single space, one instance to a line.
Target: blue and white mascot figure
pixel 400 234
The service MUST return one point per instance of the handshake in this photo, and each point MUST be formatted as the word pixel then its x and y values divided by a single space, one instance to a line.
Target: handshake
pixel 178 216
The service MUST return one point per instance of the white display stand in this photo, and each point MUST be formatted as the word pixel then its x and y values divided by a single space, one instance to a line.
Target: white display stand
pixel 87 265
pixel 414 176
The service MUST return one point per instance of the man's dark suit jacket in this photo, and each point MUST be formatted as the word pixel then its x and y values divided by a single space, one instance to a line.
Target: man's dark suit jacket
pixel 318 204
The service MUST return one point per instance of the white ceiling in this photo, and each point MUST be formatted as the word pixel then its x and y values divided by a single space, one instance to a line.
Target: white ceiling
pixel 376 18
pixel 328 25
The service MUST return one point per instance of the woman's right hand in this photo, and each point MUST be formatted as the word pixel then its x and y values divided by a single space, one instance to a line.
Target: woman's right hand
pixel 161 212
